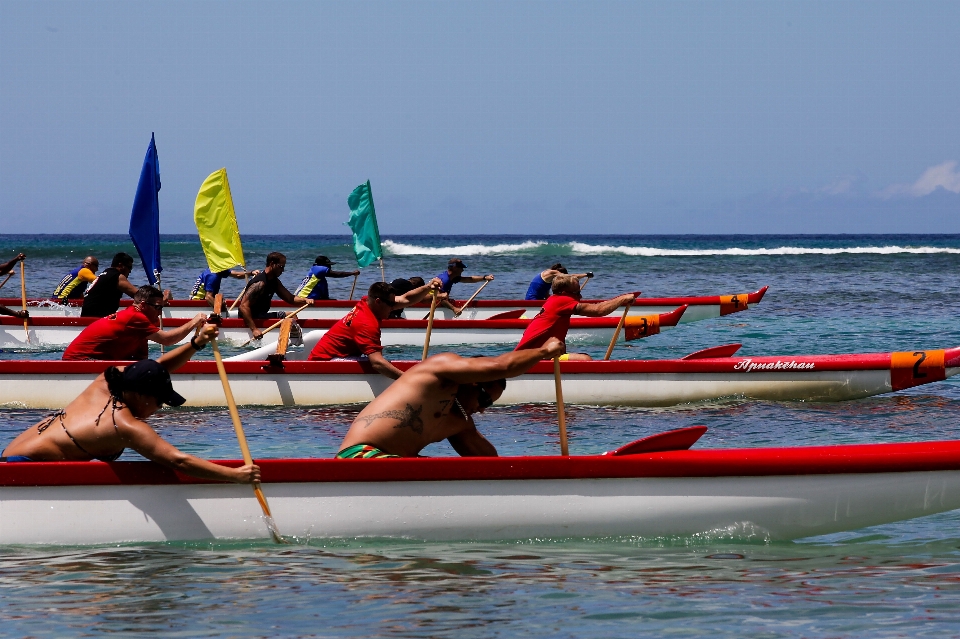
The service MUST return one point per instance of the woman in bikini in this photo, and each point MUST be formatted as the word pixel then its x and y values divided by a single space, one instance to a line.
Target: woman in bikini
pixel 108 417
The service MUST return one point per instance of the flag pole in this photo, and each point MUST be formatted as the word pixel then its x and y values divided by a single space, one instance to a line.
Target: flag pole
pixel 383 276
pixel 164 300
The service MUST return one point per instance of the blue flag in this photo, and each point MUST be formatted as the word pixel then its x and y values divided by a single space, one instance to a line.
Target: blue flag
pixel 145 217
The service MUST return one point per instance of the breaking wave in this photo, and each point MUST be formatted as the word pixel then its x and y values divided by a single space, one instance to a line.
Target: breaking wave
pixel 396 248
pixel 580 248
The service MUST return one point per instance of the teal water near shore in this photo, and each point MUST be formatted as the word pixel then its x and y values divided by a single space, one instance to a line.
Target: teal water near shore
pixel 828 294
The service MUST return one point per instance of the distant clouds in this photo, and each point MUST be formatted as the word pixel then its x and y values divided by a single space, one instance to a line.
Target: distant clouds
pixel 943 175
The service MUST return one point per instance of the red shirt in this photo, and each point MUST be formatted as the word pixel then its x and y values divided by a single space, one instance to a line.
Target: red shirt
pixel 122 335
pixel 357 333
pixel 553 320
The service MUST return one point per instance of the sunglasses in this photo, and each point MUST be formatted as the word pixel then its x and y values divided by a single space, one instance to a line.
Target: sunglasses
pixel 483 398
pixel 156 305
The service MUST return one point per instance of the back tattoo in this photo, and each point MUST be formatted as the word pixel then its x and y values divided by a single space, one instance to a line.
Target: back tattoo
pixel 409 417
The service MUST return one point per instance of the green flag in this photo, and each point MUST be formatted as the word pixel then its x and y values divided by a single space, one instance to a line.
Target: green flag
pixel 217 223
pixel 363 221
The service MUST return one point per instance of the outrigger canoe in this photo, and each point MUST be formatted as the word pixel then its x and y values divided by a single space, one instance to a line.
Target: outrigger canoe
pixel 706 375
pixel 649 491
pixel 699 308
pixel 58 332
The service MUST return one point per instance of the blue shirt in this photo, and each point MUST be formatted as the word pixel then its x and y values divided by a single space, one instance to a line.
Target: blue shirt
pixel 539 290
pixel 208 282
pixel 314 285
pixel 447 281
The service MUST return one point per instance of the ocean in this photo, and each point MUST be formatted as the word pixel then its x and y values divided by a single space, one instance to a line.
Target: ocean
pixel 828 294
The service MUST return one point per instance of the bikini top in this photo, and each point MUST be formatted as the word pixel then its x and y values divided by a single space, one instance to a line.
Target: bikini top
pixel 42 426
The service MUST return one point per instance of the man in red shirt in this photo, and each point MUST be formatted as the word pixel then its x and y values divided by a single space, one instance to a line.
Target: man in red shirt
pixel 553 320
pixel 357 334
pixel 124 335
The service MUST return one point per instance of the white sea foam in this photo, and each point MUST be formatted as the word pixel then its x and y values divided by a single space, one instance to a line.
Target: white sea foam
pixel 579 248
pixel 396 248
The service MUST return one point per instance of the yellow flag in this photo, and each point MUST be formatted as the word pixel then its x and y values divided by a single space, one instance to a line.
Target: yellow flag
pixel 217 223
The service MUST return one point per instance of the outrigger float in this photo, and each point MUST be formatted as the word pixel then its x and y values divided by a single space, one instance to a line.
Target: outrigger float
pixel 58 332
pixel 705 375
pixel 653 488
pixel 699 308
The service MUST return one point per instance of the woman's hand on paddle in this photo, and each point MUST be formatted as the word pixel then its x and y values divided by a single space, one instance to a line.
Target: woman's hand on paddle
pixel 248 474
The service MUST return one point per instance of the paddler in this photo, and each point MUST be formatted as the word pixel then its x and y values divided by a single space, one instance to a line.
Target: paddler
pixel 453 275
pixel 102 298
pixel 553 320
pixel 124 335
pixel 539 288
pixel 436 400
pixel 401 287
pixel 6 267
pixel 314 285
pixel 260 291
pixel 357 334
pixel 208 283
pixel 74 284
pixel 107 418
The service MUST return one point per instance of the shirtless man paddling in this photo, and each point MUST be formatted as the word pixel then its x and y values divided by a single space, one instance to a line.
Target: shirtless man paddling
pixel 436 400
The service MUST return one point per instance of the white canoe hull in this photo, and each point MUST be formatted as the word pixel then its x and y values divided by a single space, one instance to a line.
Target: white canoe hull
pixel 771 507
pixel 50 390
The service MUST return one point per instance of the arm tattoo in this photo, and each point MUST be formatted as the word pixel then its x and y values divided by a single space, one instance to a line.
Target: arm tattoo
pixel 408 417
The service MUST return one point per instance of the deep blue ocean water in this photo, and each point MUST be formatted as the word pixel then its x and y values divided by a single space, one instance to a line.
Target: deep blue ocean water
pixel 828 294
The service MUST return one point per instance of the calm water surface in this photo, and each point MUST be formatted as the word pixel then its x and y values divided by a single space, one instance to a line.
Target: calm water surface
pixel 888 581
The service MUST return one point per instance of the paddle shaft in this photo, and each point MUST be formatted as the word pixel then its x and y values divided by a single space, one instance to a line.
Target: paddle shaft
pixel 433 309
pixel 278 323
pixel 246 283
pixel 23 299
pixel 561 417
pixel 242 438
pixel 584 285
pixel 616 333
pixel 9 275
pixel 473 296
pixel 354 287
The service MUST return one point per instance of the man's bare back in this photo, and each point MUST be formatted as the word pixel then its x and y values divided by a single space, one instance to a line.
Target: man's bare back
pixel 436 399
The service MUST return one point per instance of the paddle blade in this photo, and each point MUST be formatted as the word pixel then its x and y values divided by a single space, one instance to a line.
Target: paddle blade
pixel 508 315
pixel 217 303
pixel 727 350
pixel 680 439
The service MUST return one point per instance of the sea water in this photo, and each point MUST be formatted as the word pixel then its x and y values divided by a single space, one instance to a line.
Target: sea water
pixel 828 294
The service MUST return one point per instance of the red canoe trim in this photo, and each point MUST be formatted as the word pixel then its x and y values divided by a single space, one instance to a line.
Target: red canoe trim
pixel 707 300
pixel 862 361
pixel 746 462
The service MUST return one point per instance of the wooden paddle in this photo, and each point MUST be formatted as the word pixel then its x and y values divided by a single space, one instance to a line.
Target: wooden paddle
pixel 433 309
pixel 23 299
pixel 283 340
pixel 457 314
pixel 278 323
pixel 561 417
pixel 616 333
pixel 9 275
pixel 587 281
pixel 354 287
pixel 238 428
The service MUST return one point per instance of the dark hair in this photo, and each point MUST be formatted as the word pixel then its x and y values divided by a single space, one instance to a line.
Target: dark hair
pixel 145 293
pixel 114 379
pixel 122 259
pixel 417 281
pixel 556 267
pixel 381 291
pixel 275 258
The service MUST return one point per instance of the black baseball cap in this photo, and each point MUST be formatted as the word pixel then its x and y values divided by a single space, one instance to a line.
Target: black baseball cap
pixel 456 263
pixel 147 377
pixel 323 260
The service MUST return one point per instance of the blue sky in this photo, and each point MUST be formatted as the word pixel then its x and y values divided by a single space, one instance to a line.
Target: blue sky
pixel 487 117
